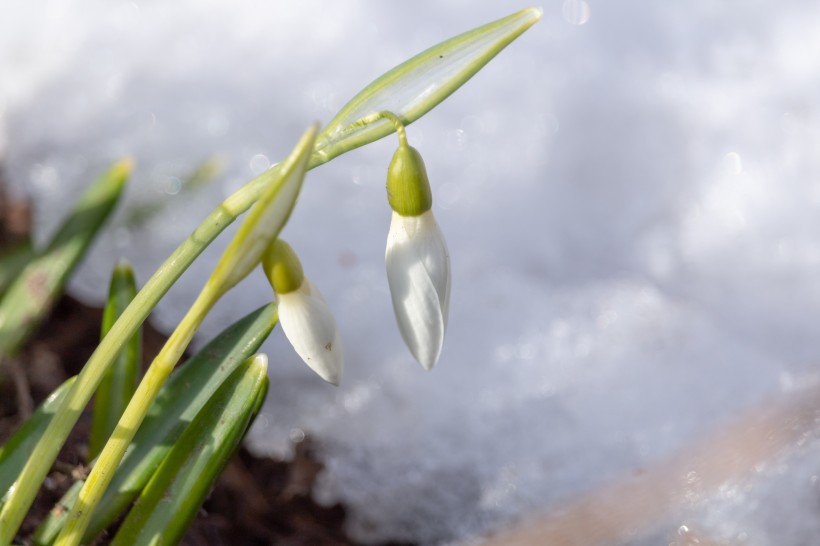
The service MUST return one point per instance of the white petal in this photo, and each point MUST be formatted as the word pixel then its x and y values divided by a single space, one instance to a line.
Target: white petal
pixel 311 329
pixel 418 271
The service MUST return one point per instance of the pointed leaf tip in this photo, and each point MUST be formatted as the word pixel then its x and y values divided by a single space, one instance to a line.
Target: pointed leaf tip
pixel 535 12
pixel 417 85
pixel 267 218
pixel 123 168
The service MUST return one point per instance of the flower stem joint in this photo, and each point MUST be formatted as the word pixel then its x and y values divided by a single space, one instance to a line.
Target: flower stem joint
pixel 417 260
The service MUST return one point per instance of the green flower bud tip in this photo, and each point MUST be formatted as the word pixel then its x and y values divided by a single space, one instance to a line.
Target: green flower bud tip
pixel 408 189
pixel 303 313
pixel 282 267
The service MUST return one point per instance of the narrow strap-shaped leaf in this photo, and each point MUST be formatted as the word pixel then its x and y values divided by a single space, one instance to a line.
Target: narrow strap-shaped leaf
pixel 17 449
pixel 267 218
pixel 243 254
pixel 37 287
pixel 413 88
pixel 47 531
pixel 13 261
pixel 180 399
pixel 120 381
pixel 171 500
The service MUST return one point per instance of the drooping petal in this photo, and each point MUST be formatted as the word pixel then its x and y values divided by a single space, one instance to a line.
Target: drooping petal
pixel 418 272
pixel 311 329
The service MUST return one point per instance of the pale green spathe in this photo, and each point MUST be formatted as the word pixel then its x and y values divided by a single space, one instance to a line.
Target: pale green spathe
pixel 414 87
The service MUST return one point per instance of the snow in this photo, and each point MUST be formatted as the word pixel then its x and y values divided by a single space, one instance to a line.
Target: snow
pixel 630 197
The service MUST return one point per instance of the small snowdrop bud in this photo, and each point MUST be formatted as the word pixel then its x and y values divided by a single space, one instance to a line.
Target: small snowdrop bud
pixel 408 189
pixel 303 313
pixel 418 264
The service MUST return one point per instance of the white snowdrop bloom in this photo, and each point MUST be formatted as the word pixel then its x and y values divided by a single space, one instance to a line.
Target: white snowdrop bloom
pixel 304 314
pixel 418 264
pixel 418 271
pixel 309 325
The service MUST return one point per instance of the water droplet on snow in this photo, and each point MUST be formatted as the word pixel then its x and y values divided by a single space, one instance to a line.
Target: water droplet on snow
pixel 262 421
pixel 461 139
pixel 259 164
pixel 576 12
pixel 297 435
pixel 733 163
pixel 449 194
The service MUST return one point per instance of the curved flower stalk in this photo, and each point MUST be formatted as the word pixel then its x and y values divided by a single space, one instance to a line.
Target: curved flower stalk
pixel 303 313
pixel 418 264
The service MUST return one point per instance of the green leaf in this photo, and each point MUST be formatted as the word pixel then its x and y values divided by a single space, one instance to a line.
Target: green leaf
pixel 267 218
pixel 171 500
pixel 181 398
pixel 15 452
pixel 47 531
pixel 13 261
pixel 34 291
pixel 120 381
pixel 413 88
pixel 243 254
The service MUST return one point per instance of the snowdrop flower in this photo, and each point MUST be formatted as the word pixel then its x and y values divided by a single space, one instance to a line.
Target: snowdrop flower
pixel 303 313
pixel 418 264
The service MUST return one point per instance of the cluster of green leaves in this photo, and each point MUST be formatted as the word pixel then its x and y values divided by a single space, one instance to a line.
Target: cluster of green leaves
pixel 157 445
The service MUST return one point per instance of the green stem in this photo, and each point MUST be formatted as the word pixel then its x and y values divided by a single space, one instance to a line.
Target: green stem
pixel 46 450
pixel 240 257
pixel 398 124
pixel 126 428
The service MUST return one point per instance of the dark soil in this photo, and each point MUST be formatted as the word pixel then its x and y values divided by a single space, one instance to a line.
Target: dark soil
pixel 256 501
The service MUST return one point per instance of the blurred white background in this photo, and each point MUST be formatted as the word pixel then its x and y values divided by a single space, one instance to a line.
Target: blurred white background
pixel 630 193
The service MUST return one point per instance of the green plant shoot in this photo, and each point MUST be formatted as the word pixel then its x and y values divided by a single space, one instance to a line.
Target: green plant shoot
pixel 410 90
pixel 120 382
